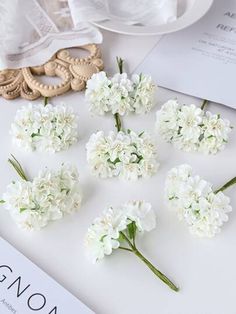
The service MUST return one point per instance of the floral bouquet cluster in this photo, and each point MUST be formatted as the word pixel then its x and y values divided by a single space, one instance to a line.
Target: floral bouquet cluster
pixel 191 129
pixel 49 196
pixel 117 228
pixel 195 202
pixel 45 128
pixel 120 94
pixel 124 154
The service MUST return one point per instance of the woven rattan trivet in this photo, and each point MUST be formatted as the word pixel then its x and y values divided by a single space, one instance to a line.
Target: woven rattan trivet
pixel 74 73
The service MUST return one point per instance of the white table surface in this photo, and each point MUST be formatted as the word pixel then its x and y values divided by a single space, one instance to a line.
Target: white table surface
pixel 204 269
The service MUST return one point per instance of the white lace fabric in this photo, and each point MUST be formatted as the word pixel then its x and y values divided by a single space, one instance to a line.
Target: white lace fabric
pixel 31 31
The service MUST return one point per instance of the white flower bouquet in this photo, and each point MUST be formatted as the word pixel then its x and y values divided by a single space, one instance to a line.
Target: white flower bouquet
pixel 49 196
pixel 45 128
pixel 124 154
pixel 120 94
pixel 191 129
pixel 203 209
pixel 117 228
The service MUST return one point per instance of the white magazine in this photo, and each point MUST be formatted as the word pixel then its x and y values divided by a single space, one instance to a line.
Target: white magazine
pixel 200 60
pixel 26 289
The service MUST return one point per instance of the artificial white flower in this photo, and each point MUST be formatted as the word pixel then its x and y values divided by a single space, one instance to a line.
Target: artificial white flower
pixel 121 88
pixel 216 132
pixel 166 122
pixel 98 93
pixel 189 119
pixel 143 93
pixel 119 94
pixel 49 196
pixel 195 202
pixel 44 128
pixel 191 129
pixel 117 228
pixel 123 154
pixel 142 214
pixel 104 234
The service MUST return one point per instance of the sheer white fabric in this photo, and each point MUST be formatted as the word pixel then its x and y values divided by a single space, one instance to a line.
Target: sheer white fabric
pixel 31 31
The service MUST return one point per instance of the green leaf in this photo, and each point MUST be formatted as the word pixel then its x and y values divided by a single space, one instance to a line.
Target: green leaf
pixel 139 157
pixel 34 134
pixel 102 238
pixel 179 130
pixel 201 137
pixel 2 202
pixel 67 190
pixel 22 209
pixel 115 161
pixel 132 230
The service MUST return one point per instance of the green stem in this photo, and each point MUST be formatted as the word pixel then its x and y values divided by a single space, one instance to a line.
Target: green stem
pixel 118 124
pixel 204 104
pixel 134 244
pixel 159 274
pixel 17 166
pixel 125 249
pixel 120 63
pixel 45 101
pixel 226 185
pixel 127 240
